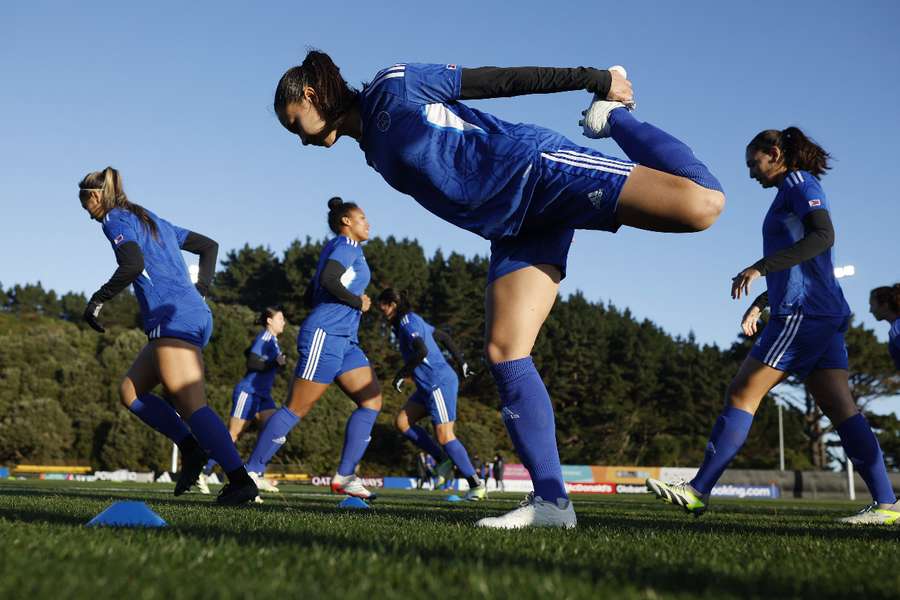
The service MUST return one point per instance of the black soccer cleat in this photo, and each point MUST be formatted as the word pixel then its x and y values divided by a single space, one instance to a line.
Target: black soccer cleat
pixel 234 494
pixel 192 464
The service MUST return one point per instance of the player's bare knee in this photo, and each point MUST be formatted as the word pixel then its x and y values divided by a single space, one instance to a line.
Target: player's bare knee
pixel 445 437
pixel 706 206
pixel 401 422
pixel 496 353
pixel 127 393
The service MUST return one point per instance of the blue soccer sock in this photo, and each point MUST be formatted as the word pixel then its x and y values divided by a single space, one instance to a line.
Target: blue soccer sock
pixel 271 438
pixel 862 447
pixel 728 435
pixel 420 438
pixel 159 414
pixel 356 439
pixel 654 148
pixel 208 469
pixel 214 438
pixel 528 415
pixel 457 453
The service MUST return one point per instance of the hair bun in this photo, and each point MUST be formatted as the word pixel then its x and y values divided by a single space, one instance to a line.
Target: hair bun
pixel 335 203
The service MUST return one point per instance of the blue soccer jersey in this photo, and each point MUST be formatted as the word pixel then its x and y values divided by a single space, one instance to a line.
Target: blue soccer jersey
pixel 894 342
pixel 165 282
pixel 810 286
pixel 266 346
pixel 465 166
pixel 330 314
pixel 432 371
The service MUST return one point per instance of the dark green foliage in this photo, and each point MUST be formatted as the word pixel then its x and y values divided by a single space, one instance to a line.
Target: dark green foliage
pixel 625 392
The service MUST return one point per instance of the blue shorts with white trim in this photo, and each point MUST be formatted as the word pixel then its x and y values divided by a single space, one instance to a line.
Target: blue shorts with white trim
pixel 578 188
pixel 440 401
pixel 246 403
pixel 323 356
pixel 193 324
pixel 800 344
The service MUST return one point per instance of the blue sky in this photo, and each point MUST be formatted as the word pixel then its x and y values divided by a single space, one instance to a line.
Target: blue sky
pixel 178 97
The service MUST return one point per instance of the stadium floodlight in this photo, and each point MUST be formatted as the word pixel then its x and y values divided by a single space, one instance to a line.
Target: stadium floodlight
pixel 845 271
pixel 194 271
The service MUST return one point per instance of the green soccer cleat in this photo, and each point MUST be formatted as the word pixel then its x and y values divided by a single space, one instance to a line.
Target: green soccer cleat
pixel 680 494
pixel 443 471
pixel 476 493
pixel 873 515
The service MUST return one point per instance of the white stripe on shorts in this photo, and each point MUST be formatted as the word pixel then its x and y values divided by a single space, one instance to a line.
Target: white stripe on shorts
pixel 315 351
pixel 441 406
pixel 597 159
pixel 784 340
pixel 585 165
pixel 239 405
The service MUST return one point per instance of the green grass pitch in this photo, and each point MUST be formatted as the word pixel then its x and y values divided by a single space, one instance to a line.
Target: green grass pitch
pixel 299 544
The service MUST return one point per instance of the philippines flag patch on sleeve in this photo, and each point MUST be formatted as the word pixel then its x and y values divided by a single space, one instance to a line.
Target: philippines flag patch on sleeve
pixel 119 239
pixel 815 202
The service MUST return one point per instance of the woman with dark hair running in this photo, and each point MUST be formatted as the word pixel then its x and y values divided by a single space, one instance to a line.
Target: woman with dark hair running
pixel 884 304
pixel 805 334
pixel 329 351
pixel 252 396
pixel 178 324
pixel 436 389
pixel 523 187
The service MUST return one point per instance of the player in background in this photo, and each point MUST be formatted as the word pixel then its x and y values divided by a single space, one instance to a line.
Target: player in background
pixel 437 386
pixel 329 351
pixel 884 304
pixel 177 322
pixel 524 187
pixel 805 334
pixel 252 396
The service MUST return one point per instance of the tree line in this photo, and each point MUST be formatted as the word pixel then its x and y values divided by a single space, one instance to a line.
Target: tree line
pixel 624 390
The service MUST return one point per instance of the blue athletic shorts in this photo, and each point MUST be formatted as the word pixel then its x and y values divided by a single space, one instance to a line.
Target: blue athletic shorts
pixel 514 253
pixel 578 188
pixel 193 324
pixel 800 344
pixel 323 357
pixel 440 401
pixel 246 403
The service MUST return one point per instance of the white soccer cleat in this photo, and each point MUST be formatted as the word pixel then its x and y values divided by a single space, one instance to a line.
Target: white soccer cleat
pixel 350 485
pixel 873 515
pixel 595 123
pixel 203 483
pixel 534 511
pixel 263 484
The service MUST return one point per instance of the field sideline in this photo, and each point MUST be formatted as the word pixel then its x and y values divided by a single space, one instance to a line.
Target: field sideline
pixel 416 545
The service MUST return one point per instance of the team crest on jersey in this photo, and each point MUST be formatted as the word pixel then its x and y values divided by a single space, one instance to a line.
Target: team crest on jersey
pixel 119 239
pixel 815 202
pixel 383 121
pixel 596 197
pixel 451 67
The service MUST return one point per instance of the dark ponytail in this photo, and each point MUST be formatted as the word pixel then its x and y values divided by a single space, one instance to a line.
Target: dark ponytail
pixel 267 313
pixel 888 295
pixel 337 210
pixel 333 96
pixel 390 295
pixel 800 152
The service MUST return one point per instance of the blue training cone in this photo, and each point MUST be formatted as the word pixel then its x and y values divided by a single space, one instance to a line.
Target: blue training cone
pixel 127 514
pixel 351 502
pixel 453 498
